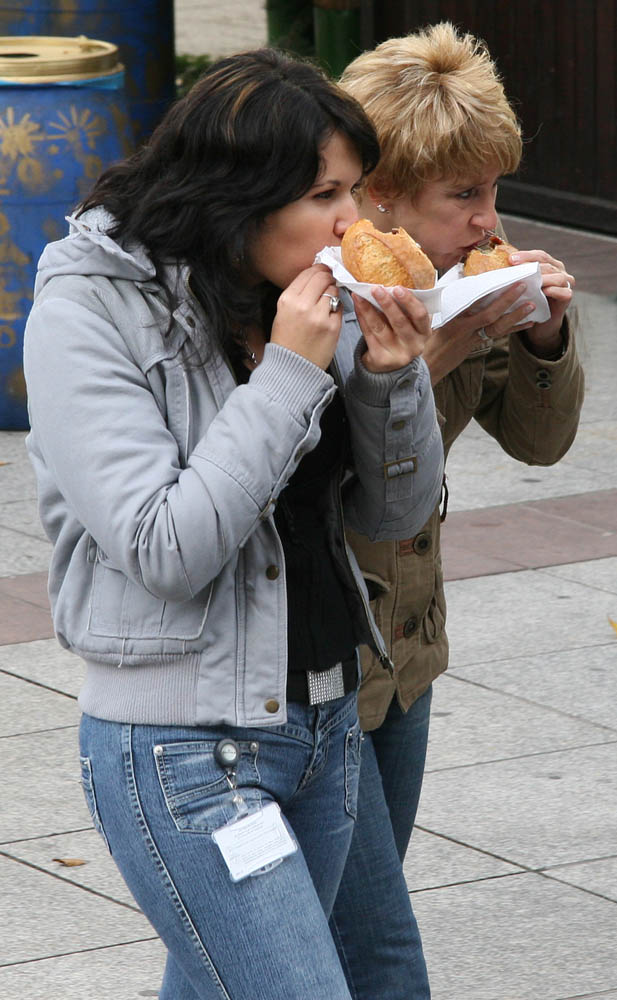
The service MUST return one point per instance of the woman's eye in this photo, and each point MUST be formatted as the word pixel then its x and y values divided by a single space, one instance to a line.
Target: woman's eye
pixel 325 195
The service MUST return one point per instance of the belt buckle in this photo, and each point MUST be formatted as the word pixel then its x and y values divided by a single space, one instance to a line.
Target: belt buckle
pixel 325 685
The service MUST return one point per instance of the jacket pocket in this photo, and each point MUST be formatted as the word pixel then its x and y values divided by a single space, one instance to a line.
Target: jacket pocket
pixel 122 609
pixel 434 621
pixel 376 586
pixel 195 787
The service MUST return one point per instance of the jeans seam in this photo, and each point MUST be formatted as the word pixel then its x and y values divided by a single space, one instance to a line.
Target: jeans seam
pixel 160 864
pixel 353 740
pixel 340 716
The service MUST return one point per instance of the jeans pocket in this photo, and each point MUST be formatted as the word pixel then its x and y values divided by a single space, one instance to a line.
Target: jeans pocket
pixel 353 744
pixel 87 783
pixel 196 790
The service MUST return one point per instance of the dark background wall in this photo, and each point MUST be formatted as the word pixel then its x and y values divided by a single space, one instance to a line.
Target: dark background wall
pixel 558 59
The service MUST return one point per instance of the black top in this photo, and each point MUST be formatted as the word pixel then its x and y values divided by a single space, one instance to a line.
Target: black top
pixel 320 627
pixel 320 630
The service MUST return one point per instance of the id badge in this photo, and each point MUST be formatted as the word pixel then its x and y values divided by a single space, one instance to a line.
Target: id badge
pixel 255 841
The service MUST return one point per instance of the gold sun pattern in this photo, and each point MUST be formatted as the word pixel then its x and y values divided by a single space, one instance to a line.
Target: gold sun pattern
pixel 27 147
pixel 32 160
pixel 17 138
pixel 79 125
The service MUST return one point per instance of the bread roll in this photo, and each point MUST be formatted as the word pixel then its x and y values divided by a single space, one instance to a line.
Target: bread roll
pixel 489 258
pixel 385 258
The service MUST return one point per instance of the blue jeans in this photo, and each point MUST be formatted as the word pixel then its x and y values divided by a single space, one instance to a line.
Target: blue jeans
pixel 263 938
pixel 375 929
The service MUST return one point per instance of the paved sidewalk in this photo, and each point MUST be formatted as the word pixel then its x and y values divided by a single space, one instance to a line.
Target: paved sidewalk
pixel 207 27
pixel 513 866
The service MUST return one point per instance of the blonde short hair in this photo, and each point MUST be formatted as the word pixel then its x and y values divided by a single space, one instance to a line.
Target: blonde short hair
pixel 439 108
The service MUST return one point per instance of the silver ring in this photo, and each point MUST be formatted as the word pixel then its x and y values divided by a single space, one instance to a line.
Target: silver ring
pixel 334 301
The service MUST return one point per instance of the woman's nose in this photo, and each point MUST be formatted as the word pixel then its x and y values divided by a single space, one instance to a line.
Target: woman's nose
pixel 347 216
pixel 486 217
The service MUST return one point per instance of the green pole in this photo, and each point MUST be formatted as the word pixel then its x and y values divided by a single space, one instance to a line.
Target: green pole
pixel 337 33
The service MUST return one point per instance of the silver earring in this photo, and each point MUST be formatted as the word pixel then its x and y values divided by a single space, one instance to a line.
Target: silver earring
pixel 380 208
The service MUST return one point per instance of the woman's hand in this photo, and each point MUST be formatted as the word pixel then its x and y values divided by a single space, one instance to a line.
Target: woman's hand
pixel 304 322
pixel 544 339
pixel 451 343
pixel 395 336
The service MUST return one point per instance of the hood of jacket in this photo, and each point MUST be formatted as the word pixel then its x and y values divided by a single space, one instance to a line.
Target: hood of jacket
pixel 89 251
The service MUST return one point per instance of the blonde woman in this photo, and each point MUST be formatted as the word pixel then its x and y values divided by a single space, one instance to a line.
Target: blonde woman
pixel 447 135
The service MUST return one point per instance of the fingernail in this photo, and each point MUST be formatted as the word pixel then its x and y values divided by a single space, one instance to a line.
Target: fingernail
pixel 379 292
pixel 529 307
pixel 399 291
pixel 515 257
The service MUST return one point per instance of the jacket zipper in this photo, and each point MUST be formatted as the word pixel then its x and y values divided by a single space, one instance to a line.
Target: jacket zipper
pixel 378 645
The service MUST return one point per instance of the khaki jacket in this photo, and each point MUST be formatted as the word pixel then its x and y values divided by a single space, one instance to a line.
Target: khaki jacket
pixel 531 407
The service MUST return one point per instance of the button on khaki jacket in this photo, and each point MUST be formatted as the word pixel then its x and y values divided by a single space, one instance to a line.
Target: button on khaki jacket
pixel 531 407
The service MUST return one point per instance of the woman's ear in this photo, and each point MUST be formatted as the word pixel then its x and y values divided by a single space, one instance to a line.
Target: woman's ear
pixel 379 199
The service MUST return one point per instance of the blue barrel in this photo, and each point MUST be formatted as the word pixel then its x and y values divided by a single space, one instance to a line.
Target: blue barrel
pixel 143 31
pixel 63 119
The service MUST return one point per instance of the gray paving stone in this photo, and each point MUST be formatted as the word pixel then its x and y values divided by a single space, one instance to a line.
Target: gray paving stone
pixel 45 662
pixel 21 553
pixel 517 938
pixel 595 340
pixel 22 517
pixel 41 786
pixel 523 614
pixel 591 451
pixel 545 809
pixel 434 861
pixel 203 26
pixel 598 574
pixel 99 872
pixel 51 917
pixel 125 972
pixel 28 708
pixel 480 474
pixel 603 995
pixel 12 447
pixel 471 725
pixel 580 682
pixel 595 876
pixel 17 480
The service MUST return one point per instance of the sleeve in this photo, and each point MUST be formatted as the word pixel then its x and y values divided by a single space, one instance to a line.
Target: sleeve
pixel 397 450
pixel 168 524
pixel 532 406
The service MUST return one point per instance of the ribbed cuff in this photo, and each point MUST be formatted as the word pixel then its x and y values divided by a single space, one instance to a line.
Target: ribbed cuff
pixel 375 388
pixel 290 379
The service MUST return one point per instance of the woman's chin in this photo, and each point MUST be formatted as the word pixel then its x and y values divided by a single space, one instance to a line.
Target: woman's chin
pixel 443 262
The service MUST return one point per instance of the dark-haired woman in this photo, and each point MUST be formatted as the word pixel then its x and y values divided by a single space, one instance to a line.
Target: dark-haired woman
pixel 203 416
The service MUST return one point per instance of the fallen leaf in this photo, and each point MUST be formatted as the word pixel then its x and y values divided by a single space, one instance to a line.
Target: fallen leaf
pixel 69 862
pixel 614 624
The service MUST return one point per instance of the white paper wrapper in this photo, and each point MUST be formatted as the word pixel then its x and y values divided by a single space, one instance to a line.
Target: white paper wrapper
pixel 453 293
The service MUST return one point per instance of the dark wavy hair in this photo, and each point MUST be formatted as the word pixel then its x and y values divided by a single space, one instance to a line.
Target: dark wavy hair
pixel 244 142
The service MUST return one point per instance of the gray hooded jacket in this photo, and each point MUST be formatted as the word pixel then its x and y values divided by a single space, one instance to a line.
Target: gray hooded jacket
pixel 158 477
